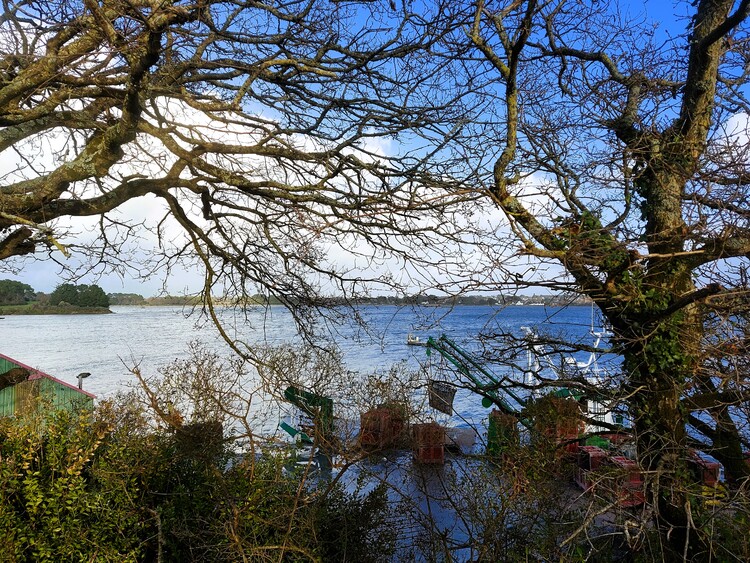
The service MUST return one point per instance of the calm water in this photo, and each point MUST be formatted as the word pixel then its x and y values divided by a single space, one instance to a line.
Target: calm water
pixel 106 345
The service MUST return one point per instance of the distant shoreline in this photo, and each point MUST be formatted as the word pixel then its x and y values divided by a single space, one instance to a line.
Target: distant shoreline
pixel 35 309
pixel 134 299
pixel 219 303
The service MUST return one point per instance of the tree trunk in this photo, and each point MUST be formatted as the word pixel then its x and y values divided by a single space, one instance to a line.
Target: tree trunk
pixel 661 351
pixel 659 369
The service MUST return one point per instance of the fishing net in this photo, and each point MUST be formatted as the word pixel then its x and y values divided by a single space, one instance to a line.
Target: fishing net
pixel 440 395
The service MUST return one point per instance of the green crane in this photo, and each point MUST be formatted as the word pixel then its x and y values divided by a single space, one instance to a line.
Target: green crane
pixel 485 383
pixel 318 407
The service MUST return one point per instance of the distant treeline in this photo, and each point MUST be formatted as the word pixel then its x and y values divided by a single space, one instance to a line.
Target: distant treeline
pixel 136 299
pixel 557 300
pixel 17 294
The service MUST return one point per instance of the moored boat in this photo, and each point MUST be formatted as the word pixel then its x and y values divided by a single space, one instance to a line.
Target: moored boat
pixel 412 340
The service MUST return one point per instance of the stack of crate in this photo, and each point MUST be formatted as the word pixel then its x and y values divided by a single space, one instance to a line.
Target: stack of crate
pixel 705 472
pixel 429 443
pixel 567 431
pixel 590 458
pixel 382 427
pixel 376 428
pixel 557 420
pixel 398 422
pixel 629 489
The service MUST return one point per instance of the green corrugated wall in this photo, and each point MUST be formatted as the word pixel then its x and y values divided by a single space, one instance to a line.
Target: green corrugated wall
pixel 8 401
pixel 62 396
pixel 6 365
pixel 7 395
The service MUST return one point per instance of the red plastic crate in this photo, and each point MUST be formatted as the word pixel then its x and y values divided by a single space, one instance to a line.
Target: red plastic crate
pixel 434 454
pixel 376 428
pixel 706 472
pixel 566 431
pixel 398 424
pixel 591 457
pixel 429 434
pixel 571 443
pixel 629 488
pixel 631 494
pixel 429 443
pixel 632 471
pixel 584 478
pixel 570 427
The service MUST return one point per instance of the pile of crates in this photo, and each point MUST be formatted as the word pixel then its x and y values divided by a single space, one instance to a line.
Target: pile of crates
pixel 621 479
pixel 590 459
pixel 558 421
pixel 706 475
pixel 628 483
pixel 429 443
pixel 381 427
pixel 567 432
pixel 618 477
pixel 703 471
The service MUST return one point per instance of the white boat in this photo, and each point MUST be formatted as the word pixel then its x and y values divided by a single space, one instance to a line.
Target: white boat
pixel 412 340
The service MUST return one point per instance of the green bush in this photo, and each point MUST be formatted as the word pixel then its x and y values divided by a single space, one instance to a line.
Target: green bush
pixel 111 486
pixel 15 293
pixel 52 507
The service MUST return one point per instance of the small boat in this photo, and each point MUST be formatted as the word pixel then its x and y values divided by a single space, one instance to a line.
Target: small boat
pixel 412 340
